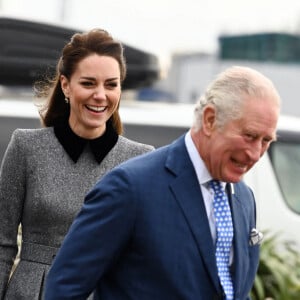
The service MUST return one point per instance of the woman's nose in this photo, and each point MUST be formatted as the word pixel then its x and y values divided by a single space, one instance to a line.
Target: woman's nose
pixel 99 93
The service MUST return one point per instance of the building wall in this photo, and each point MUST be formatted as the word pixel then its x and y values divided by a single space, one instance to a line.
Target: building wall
pixel 190 74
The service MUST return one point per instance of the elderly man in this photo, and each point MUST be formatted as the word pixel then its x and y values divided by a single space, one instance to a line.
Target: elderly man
pixel 177 223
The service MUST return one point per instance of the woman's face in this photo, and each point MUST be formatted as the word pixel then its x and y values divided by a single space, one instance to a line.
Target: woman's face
pixel 94 92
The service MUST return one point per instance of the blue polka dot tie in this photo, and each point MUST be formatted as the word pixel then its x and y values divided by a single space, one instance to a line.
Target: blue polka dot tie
pixel 224 229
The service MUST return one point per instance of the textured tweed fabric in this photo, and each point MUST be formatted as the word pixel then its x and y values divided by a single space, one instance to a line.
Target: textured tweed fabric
pixel 43 189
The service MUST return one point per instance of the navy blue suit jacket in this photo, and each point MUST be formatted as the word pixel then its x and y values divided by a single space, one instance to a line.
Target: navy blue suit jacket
pixel 143 234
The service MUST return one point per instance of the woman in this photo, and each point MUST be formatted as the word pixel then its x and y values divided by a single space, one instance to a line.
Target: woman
pixel 46 172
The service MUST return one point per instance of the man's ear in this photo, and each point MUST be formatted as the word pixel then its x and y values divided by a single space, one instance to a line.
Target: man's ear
pixel 209 119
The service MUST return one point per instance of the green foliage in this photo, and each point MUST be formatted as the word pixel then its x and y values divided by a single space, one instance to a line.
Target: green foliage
pixel 278 275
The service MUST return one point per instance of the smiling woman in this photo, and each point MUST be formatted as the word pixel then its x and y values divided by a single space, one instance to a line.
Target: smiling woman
pixel 57 165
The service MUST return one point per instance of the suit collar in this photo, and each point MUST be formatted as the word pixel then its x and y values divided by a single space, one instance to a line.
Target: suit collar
pixel 241 238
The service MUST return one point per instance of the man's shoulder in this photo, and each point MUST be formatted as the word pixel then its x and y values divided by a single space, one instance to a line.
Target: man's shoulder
pixel 242 187
pixel 244 193
pixel 151 162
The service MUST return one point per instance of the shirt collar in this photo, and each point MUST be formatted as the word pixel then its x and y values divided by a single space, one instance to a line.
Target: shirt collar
pixel 74 144
pixel 200 168
pixel 202 173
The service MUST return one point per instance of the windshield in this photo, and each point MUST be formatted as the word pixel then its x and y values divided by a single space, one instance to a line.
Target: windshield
pixel 285 157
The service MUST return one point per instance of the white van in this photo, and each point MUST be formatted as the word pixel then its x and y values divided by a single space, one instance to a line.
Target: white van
pixel 274 179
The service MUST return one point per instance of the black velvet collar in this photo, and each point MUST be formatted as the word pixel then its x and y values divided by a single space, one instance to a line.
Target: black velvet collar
pixel 74 145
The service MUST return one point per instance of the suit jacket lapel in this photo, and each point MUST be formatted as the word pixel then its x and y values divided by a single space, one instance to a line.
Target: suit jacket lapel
pixel 240 266
pixel 188 194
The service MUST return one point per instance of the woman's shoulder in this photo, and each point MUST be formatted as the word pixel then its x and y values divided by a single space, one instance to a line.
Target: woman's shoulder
pixel 126 148
pixel 24 133
pixel 25 141
pixel 134 145
pixel 32 137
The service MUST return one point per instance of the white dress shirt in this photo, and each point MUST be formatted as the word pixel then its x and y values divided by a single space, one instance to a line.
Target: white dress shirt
pixel 203 177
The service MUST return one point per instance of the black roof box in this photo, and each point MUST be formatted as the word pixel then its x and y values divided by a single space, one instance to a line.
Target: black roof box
pixel 29 49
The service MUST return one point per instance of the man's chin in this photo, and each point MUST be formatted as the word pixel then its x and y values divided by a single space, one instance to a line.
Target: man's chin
pixel 234 178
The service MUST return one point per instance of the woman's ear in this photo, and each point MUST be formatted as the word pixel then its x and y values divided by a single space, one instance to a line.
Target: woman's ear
pixel 64 83
pixel 209 119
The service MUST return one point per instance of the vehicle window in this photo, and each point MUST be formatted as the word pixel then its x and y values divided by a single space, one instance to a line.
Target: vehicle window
pixel 285 156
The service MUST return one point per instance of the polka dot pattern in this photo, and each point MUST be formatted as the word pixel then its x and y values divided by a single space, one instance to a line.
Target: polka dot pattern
pixel 224 229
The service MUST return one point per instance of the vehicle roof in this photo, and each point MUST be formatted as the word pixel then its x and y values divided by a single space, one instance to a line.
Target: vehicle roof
pixel 138 112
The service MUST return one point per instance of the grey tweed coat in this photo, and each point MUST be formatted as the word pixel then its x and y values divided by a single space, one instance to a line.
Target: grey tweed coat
pixel 42 189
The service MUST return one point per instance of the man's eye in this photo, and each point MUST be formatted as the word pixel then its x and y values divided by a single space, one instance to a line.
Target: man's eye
pixel 249 136
pixel 267 140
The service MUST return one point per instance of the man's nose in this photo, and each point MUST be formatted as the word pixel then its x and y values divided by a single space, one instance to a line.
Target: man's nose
pixel 256 151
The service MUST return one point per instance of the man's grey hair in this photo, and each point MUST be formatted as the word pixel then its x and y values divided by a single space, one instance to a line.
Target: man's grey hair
pixel 229 91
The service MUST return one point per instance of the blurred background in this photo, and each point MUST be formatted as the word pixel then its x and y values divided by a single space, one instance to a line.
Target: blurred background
pixel 192 40
pixel 173 49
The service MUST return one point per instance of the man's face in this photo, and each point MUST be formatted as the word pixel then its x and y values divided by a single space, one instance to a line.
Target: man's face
pixel 235 148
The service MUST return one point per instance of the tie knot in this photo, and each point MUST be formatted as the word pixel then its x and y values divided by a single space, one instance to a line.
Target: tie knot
pixel 216 185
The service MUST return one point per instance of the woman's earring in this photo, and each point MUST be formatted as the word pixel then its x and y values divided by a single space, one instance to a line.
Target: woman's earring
pixel 67 100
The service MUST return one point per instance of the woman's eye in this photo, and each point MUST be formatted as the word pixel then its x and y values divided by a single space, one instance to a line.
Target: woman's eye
pixel 113 84
pixel 87 83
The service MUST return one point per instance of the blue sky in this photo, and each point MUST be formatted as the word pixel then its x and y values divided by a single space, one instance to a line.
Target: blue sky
pixel 164 27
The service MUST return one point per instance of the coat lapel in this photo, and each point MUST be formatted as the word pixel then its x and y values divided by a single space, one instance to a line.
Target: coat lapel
pixel 240 262
pixel 188 194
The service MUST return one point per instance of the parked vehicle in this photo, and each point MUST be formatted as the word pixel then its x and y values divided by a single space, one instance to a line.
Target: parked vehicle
pixel 274 179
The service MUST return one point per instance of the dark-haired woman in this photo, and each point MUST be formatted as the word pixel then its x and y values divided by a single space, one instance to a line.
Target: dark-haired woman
pixel 46 172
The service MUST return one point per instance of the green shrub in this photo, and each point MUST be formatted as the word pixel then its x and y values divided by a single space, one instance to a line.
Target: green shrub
pixel 278 275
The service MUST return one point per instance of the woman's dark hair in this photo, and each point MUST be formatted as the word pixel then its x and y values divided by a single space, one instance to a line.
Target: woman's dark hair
pixel 81 45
